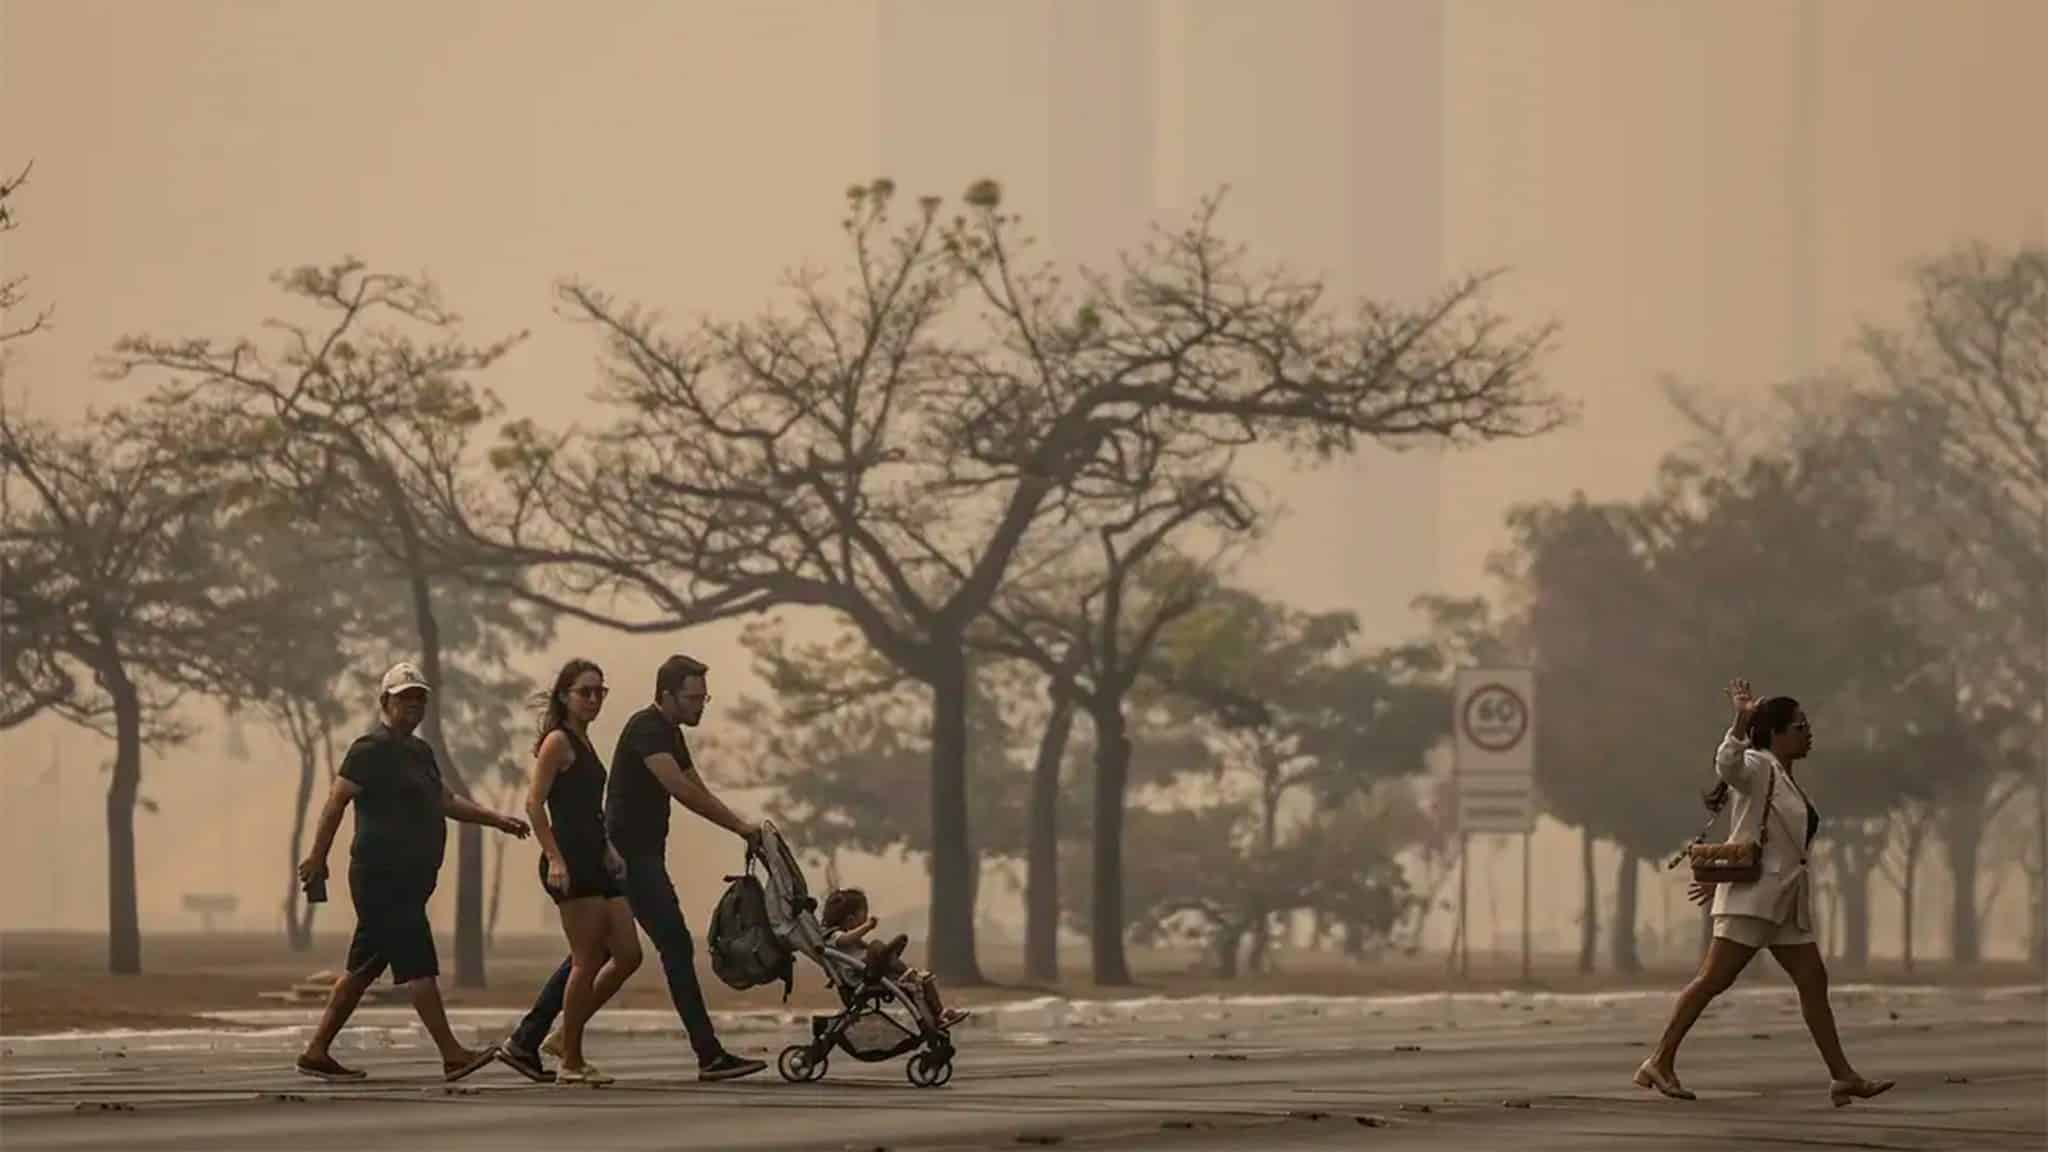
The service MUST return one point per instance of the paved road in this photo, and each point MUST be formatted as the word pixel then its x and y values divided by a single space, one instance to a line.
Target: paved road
pixel 1973 1075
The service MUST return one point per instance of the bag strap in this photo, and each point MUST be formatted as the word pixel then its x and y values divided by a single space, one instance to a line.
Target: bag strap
pixel 1763 829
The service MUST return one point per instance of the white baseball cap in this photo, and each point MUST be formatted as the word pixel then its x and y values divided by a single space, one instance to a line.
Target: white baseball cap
pixel 401 676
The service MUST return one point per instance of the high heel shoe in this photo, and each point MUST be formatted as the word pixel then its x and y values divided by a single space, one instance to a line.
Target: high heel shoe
pixel 1843 1091
pixel 1647 1076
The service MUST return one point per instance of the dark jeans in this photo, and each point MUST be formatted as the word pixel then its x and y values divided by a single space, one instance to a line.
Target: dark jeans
pixel 652 897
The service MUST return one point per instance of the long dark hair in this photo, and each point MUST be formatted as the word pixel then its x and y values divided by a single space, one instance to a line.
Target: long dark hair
pixel 554 710
pixel 1770 718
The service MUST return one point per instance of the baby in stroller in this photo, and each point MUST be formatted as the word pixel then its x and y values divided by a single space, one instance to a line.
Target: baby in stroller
pixel 845 917
pixel 887 1008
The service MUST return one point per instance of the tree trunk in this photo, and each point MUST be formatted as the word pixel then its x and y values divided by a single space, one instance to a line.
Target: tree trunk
pixel 298 930
pixel 1963 837
pixel 1829 897
pixel 1106 914
pixel 1589 922
pixel 1854 884
pixel 951 930
pixel 469 844
pixel 124 928
pixel 1259 933
pixel 1259 920
pixel 2037 880
pixel 1228 939
pixel 1624 938
pixel 1907 886
pixel 497 882
pixel 1042 881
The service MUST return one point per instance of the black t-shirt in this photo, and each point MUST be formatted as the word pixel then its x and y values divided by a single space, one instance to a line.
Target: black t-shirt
pixel 400 829
pixel 635 803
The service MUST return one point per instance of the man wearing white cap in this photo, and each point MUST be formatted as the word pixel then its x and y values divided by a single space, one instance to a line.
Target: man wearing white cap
pixel 402 808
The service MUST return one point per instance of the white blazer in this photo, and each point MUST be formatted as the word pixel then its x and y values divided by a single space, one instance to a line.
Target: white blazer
pixel 1773 895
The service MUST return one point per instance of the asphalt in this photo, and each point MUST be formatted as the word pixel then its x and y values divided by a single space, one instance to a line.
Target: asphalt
pixel 1972 1072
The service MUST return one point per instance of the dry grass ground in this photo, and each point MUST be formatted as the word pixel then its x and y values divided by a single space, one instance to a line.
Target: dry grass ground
pixel 52 982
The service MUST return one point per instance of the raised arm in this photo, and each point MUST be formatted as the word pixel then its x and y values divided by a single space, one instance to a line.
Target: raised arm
pixel 1731 762
pixel 690 790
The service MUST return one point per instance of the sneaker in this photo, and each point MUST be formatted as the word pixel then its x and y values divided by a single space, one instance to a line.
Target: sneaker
pixel 328 1068
pixel 588 1074
pixel 525 1063
pixel 552 1046
pixel 953 1016
pixel 728 1067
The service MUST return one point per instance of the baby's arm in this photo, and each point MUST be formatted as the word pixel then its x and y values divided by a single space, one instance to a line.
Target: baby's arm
pixel 851 939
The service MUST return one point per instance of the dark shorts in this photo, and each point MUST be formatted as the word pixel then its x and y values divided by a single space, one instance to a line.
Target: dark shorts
pixel 392 930
pixel 587 878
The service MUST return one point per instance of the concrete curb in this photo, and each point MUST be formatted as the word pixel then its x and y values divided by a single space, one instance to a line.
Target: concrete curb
pixel 388 1027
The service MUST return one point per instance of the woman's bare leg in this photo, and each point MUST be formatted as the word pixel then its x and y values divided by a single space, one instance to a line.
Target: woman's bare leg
pixel 587 926
pixel 622 946
pixel 1724 961
pixel 1809 973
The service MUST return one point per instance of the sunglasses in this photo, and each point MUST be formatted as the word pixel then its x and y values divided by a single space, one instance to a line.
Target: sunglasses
pixel 590 693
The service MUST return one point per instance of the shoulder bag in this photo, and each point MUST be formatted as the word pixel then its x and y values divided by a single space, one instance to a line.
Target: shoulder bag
pixel 1731 861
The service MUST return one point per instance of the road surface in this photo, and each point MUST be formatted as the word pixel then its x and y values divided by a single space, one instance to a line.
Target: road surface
pixel 1532 1076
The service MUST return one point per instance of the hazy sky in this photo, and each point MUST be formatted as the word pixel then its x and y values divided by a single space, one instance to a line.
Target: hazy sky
pixel 1719 192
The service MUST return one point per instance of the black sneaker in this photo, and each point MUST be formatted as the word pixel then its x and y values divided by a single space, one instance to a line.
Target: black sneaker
pixel 728 1067
pixel 525 1063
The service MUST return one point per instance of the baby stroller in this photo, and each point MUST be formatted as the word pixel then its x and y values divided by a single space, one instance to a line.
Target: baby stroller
pixel 880 1018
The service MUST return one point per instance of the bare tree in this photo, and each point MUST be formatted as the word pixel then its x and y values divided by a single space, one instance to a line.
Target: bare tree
pixel 13 289
pixel 873 455
pixel 364 421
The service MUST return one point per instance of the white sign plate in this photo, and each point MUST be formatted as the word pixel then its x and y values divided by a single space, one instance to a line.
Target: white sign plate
pixel 1494 716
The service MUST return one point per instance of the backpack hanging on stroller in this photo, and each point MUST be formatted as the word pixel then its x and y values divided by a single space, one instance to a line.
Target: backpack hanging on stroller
pixel 881 1017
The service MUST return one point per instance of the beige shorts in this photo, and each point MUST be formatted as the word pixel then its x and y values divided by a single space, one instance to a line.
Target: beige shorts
pixel 1757 932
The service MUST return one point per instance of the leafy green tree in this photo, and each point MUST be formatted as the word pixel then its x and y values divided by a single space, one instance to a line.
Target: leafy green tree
pixel 1302 723
pixel 841 741
pixel 116 602
pixel 1956 429
pixel 1090 619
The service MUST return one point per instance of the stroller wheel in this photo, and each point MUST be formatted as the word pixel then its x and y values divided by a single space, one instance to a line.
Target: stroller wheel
pixel 929 1070
pixel 796 1065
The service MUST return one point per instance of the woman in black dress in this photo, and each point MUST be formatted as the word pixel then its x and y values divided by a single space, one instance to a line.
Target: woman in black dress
pixel 579 870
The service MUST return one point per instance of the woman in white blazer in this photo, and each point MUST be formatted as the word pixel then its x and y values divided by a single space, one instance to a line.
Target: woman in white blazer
pixel 1776 910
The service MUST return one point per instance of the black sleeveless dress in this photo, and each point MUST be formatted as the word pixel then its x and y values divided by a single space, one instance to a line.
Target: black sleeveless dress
pixel 576 812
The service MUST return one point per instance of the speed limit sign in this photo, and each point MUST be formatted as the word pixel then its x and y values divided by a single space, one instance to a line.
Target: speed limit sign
pixel 1496 768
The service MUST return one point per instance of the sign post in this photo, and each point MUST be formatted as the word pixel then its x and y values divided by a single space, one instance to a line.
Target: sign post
pixel 1494 710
